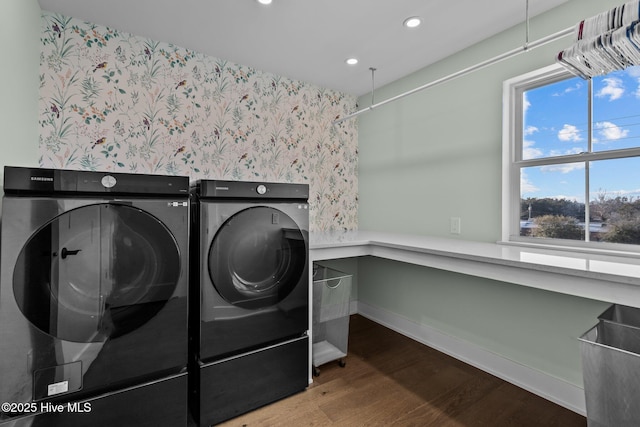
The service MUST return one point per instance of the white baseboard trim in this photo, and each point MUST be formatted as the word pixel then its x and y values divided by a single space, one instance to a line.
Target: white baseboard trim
pixel 551 388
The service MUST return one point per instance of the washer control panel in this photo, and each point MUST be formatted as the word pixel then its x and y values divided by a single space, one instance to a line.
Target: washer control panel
pixel 43 180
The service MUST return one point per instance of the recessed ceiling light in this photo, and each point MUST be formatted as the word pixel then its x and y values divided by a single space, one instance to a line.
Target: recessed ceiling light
pixel 352 61
pixel 264 1
pixel 412 22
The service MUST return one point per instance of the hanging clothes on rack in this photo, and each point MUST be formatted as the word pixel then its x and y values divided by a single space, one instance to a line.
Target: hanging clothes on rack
pixel 604 43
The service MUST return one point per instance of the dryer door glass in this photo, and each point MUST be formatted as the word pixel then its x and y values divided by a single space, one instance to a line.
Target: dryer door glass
pixel 96 272
pixel 257 257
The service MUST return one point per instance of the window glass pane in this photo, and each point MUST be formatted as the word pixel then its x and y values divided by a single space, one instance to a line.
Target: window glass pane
pixel 616 110
pixel 555 119
pixel 615 200
pixel 552 201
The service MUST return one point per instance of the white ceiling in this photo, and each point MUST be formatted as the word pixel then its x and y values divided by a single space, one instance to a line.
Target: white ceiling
pixel 310 40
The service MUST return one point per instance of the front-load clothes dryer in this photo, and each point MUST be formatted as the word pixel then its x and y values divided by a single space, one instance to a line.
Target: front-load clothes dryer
pixel 93 291
pixel 250 296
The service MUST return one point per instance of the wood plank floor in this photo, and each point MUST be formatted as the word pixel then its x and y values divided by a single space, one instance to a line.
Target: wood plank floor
pixel 391 380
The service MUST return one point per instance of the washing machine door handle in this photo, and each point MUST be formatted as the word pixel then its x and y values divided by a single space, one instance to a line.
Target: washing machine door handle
pixel 66 252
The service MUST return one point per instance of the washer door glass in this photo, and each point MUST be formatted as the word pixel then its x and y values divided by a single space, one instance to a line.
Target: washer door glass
pixel 257 257
pixel 96 272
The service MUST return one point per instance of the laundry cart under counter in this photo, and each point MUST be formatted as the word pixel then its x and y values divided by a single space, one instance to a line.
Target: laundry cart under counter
pixel 331 305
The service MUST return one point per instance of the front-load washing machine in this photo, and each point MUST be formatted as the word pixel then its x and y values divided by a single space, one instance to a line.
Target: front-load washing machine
pixel 93 297
pixel 249 296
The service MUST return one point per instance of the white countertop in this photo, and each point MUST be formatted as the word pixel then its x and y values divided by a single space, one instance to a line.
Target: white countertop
pixel 608 278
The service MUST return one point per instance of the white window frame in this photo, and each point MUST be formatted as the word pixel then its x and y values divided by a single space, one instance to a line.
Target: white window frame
pixel 512 91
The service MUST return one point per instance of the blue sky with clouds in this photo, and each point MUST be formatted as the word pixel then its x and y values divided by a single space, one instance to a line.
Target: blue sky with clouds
pixel 555 123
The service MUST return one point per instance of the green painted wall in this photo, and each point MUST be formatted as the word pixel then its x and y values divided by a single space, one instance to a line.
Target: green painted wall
pixel 20 46
pixel 437 154
pixel 538 329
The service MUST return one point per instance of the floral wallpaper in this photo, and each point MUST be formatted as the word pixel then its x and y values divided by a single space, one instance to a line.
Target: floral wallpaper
pixel 113 101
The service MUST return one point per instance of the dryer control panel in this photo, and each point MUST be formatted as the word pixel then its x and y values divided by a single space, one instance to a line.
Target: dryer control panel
pixel 218 189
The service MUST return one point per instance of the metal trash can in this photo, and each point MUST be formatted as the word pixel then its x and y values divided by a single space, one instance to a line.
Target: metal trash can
pixel 331 309
pixel 611 368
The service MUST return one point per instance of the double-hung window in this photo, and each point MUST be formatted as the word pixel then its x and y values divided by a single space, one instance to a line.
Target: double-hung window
pixel 571 159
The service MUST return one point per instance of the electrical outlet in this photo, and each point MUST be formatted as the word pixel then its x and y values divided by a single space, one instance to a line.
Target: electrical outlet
pixel 456 225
